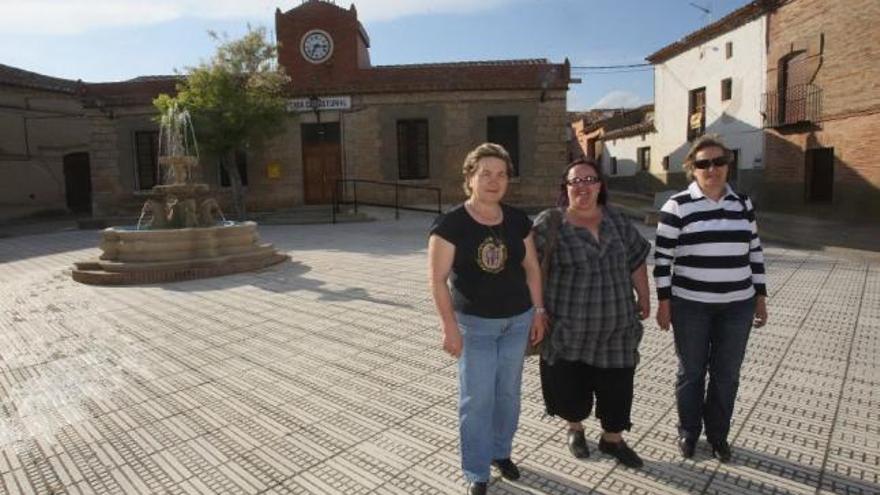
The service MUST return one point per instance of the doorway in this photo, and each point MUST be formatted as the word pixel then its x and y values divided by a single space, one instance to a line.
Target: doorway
pixel 322 161
pixel 77 182
pixel 819 170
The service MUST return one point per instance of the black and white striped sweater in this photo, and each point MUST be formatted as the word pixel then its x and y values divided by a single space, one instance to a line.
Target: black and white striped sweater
pixel 708 251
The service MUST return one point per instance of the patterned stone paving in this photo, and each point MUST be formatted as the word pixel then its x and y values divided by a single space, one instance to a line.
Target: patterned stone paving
pixel 325 376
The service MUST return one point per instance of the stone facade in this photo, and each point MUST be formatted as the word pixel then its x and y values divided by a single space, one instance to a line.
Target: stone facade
pixel 38 129
pixel 839 46
pixel 455 99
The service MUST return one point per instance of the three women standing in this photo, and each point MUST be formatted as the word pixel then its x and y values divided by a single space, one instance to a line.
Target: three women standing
pixel 489 312
pixel 709 272
pixel 597 266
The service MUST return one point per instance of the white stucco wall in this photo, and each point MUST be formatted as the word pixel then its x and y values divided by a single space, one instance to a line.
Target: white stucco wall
pixel 626 152
pixel 738 120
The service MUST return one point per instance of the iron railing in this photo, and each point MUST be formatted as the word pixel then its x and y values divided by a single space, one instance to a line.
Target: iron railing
pixel 346 193
pixel 798 104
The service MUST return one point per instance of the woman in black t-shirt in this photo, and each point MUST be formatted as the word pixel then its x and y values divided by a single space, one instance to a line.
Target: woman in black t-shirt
pixel 489 311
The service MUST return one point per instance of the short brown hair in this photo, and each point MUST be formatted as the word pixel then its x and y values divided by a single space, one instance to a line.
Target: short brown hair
pixel 703 142
pixel 485 150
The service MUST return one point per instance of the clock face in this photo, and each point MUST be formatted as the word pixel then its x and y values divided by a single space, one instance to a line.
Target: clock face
pixel 316 46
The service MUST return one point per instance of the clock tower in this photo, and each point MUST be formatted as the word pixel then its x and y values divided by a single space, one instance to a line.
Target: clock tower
pixel 321 44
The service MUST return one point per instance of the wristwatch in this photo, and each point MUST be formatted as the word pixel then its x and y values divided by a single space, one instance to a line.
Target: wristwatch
pixel 540 310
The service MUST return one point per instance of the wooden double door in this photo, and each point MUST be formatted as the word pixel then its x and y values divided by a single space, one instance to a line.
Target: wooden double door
pixel 322 161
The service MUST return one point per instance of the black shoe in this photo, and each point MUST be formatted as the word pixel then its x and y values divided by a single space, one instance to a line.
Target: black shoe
pixel 508 469
pixel 621 451
pixel 477 488
pixel 686 446
pixel 577 444
pixel 721 451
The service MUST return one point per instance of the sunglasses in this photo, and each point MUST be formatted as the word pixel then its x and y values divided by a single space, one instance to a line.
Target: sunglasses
pixel 718 161
pixel 589 180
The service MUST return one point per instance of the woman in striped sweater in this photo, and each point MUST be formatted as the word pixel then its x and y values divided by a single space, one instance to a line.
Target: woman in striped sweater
pixel 709 272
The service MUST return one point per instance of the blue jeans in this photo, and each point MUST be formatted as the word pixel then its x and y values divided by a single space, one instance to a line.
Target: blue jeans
pixel 489 377
pixel 709 337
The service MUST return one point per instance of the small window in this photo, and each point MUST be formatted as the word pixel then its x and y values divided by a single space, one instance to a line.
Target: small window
pixel 412 149
pixel 696 122
pixel 644 158
pixel 613 165
pixel 666 162
pixel 726 89
pixel 146 156
pixel 504 130
pixel 240 164
pixel 728 49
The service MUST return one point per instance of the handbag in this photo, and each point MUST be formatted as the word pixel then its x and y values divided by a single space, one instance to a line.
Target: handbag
pixel 554 223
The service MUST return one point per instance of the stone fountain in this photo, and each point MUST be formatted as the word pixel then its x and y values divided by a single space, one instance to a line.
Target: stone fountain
pixel 181 233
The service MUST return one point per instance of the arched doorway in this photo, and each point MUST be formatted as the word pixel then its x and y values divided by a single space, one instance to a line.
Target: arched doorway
pixel 78 182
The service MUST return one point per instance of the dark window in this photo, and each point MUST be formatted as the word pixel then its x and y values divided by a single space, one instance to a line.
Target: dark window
pixel 726 89
pixel 505 131
pixel 146 145
pixel 613 165
pixel 412 149
pixel 728 49
pixel 666 162
pixel 644 157
pixel 696 113
pixel 240 164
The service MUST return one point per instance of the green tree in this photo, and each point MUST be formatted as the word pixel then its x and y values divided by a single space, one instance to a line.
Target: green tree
pixel 234 98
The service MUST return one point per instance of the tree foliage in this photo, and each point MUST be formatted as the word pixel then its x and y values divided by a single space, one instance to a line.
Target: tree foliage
pixel 234 98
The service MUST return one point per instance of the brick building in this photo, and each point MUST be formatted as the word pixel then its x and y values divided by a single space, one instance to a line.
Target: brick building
pixel 402 124
pixel 822 108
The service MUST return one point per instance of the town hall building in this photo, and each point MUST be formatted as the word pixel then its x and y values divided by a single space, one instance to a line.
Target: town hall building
pixel 93 146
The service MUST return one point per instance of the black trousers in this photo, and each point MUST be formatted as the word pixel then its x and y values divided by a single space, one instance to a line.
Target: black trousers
pixel 570 388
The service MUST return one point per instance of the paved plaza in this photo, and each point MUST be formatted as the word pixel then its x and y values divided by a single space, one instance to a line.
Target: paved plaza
pixel 325 376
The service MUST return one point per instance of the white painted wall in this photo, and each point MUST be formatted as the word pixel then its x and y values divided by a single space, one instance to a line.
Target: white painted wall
pixel 737 120
pixel 626 152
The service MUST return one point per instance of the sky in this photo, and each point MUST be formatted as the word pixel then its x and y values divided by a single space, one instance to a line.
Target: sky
pixel 111 40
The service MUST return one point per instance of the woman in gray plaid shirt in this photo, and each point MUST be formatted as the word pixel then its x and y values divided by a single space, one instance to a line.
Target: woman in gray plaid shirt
pixel 597 264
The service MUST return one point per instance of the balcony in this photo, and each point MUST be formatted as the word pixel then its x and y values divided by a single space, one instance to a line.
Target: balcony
pixel 799 104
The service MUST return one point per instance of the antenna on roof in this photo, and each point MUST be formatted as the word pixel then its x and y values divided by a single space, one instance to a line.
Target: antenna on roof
pixel 705 10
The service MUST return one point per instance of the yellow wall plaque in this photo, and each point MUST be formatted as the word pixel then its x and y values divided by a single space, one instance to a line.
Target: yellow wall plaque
pixel 273 170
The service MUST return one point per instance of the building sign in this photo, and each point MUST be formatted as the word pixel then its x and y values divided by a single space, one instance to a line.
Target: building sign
pixel 318 104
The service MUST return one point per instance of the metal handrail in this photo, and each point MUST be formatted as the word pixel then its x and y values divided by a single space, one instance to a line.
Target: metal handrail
pixel 339 196
pixel 795 104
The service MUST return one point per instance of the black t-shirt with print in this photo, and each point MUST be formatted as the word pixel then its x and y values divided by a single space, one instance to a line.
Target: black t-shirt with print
pixel 488 279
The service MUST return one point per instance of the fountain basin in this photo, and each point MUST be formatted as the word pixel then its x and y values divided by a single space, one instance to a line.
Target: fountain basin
pixel 131 256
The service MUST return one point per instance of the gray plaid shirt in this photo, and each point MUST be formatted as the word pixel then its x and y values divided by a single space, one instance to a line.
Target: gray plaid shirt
pixel 589 294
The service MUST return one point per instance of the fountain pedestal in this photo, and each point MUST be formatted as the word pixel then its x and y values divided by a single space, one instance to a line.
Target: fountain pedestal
pixel 168 255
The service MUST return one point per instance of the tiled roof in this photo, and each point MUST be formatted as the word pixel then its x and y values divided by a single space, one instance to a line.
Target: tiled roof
pixel 475 63
pixel 630 130
pixel 137 91
pixel 620 119
pixel 735 19
pixel 538 74
pixel 12 76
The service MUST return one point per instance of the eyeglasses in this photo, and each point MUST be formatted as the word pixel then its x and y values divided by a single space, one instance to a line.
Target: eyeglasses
pixel 589 180
pixel 718 161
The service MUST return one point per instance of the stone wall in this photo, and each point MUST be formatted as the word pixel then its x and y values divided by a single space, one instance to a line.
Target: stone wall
pixel 37 129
